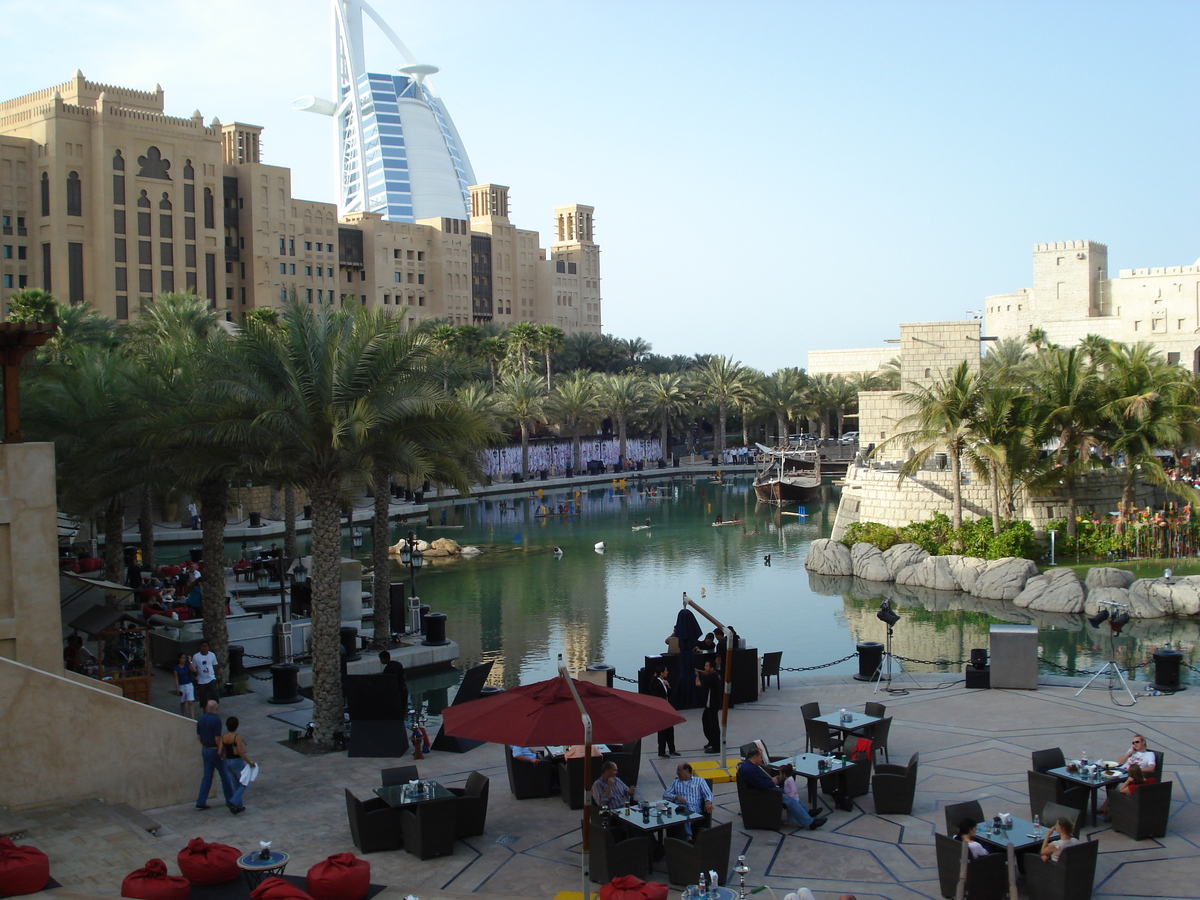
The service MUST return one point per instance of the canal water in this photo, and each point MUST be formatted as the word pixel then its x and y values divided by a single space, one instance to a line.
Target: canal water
pixel 520 604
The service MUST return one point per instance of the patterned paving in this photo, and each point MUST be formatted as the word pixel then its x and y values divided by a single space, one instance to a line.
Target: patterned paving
pixel 973 745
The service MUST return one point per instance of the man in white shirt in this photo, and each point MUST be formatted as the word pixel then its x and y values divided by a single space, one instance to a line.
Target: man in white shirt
pixel 207 670
pixel 1137 753
pixel 694 793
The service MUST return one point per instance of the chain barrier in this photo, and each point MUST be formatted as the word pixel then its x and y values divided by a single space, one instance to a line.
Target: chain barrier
pixel 820 666
pixel 617 677
pixel 930 662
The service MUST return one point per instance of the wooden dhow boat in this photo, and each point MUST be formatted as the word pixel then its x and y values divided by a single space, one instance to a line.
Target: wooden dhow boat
pixel 789 474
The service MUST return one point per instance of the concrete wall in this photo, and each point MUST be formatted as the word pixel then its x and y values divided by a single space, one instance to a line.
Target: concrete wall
pixel 62 740
pixel 880 495
pixel 848 362
pixel 30 626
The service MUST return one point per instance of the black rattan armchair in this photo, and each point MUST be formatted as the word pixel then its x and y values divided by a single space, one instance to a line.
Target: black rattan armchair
pixel 428 827
pixel 710 851
pixel 1045 789
pixel 1143 813
pixel 770 669
pixel 398 775
pixel 1070 878
pixel 373 824
pixel 628 758
pixel 987 876
pixel 956 812
pixel 470 810
pixel 612 858
pixel 1045 760
pixel 760 808
pixel 527 779
pixel 895 787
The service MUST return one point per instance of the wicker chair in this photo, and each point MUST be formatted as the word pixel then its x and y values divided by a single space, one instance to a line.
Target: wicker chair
pixel 821 738
pixel 612 858
pixel 878 733
pixel 470 810
pixel 710 851
pixel 570 780
pixel 1045 789
pixel 1070 878
pixel 895 787
pixel 373 824
pixel 1045 760
pixel 527 780
pixel 398 775
pixel 770 669
pixel 767 757
pixel 809 711
pixel 987 876
pixel 875 709
pixel 628 759
pixel 428 827
pixel 760 809
pixel 956 812
pixel 1143 813
pixel 1052 812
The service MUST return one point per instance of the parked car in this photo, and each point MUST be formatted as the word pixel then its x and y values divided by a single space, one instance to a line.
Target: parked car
pixel 850 437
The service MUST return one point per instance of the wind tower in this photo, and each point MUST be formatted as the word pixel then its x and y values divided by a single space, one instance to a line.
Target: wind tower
pixel 400 153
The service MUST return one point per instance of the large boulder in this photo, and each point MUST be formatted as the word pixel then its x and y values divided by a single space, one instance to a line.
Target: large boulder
pixel 933 572
pixel 901 556
pixel 828 557
pixel 1108 577
pixel 1004 579
pixel 443 547
pixel 966 570
pixel 867 560
pixel 1151 598
pixel 1058 590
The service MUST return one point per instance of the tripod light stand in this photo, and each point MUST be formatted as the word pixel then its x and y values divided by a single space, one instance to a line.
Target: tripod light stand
pixel 883 672
pixel 1117 620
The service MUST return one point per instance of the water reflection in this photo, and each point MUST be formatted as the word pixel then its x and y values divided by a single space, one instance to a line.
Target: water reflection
pixel 947 625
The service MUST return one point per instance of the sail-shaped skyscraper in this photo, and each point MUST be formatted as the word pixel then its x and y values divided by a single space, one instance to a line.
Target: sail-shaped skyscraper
pixel 400 153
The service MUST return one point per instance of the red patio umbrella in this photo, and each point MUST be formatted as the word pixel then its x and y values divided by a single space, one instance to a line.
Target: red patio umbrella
pixel 534 715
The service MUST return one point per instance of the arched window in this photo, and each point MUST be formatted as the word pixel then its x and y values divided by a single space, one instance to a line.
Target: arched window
pixel 209 209
pixel 74 195
pixel 45 193
pixel 928 372
pixel 118 162
pixel 189 174
pixel 165 202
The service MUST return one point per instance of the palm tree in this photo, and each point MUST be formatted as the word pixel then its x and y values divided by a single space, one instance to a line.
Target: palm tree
pixel 636 350
pixel 622 394
pixel 842 396
pixel 581 350
pixel 493 350
pixel 523 398
pixel 1009 355
pixel 994 424
pixel 1066 386
pixel 521 338
pixel 889 374
pixel 781 395
pixel 575 405
pixel 941 417
pixel 32 305
pixel 666 403
pixel 722 383
pixel 549 340
pixel 340 393
pixel 1148 405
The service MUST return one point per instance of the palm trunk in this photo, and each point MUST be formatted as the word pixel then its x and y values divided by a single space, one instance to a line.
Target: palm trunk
pixel 745 430
pixel 548 384
pixel 381 578
pixel 664 439
pixel 146 525
pixel 492 371
pixel 114 543
pixel 719 437
pixel 214 505
pixel 1127 490
pixel 621 442
pixel 1069 480
pixel 289 521
pixel 524 450
pixel 326 610
pixel 781 432
pixel 956 474
pixel 995 469
pixel 576 447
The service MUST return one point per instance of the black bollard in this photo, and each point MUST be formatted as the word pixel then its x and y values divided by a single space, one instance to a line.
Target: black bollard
pixel 609 671
pixel 870 659
pixel 284 679
pixel 348 635
pixel 1166 671
pixel 435 630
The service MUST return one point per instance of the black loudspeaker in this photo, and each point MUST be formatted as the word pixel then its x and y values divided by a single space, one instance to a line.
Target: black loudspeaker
pixel 978 658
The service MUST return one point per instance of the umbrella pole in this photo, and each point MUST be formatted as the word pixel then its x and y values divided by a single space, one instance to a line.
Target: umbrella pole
pixel 728 673
pixel 585 827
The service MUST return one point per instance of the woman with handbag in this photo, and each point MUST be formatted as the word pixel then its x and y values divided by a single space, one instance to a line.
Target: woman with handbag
pixel 232 749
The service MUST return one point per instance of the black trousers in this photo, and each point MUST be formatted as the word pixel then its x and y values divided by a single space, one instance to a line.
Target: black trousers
pixel 711 723
pixel 666 741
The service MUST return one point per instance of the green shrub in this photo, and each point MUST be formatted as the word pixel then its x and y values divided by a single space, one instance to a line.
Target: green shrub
pixel 937 538
pixel 882 536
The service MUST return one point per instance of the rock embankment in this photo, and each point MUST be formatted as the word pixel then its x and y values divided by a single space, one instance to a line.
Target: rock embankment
pixel 1013 579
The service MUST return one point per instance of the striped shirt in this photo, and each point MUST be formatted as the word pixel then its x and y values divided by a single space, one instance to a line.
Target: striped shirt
pixel 695 792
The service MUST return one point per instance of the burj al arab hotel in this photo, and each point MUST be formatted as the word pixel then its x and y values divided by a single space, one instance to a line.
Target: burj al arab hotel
pixel 400 153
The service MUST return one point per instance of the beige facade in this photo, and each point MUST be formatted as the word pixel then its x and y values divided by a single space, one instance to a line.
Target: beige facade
pixel 848 362
pixel 106 199
pixel 1072 297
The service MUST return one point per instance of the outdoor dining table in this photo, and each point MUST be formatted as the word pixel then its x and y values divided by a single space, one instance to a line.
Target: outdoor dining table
pixel 657 823
pixel 1022 834
pixel 397 795
pixel 1077 777
pixel 855 722
pixel 809 765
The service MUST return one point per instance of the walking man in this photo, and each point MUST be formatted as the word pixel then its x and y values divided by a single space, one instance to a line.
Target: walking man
pixel 207 670
pixel 711 688
pixel 208 731
pixel 662 688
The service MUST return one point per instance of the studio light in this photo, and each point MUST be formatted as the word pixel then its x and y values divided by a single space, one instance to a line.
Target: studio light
pixel 886 614
pixel 1119 621
pixel 1099 618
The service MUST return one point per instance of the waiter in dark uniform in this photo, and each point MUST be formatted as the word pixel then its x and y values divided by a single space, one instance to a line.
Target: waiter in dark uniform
pixel 661 687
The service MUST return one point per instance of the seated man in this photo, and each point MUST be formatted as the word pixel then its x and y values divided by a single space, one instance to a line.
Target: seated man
pixel 1137 753
pixel 609 791
pixel 752 774
pixel 526 753
pixel 694 793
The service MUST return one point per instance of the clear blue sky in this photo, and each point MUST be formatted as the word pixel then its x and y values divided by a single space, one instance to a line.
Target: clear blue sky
pixel 768 177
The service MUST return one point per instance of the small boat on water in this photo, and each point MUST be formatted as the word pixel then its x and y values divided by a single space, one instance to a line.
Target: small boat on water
pixel 788 474
pixel 730 522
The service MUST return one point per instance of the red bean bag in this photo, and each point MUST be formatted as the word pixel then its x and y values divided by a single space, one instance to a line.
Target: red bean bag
pixel 23 870
pixel 630 887
pixel 204 863
pixel 278 889
pixel 342 876
pixel 151 882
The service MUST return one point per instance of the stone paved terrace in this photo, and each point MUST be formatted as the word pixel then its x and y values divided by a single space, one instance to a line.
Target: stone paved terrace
pixel 973 744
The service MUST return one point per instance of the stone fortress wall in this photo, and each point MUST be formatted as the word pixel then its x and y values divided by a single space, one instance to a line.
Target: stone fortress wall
pixel 848 362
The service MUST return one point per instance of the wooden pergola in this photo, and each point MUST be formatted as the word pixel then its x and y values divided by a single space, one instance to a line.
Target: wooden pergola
pixel 17 339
